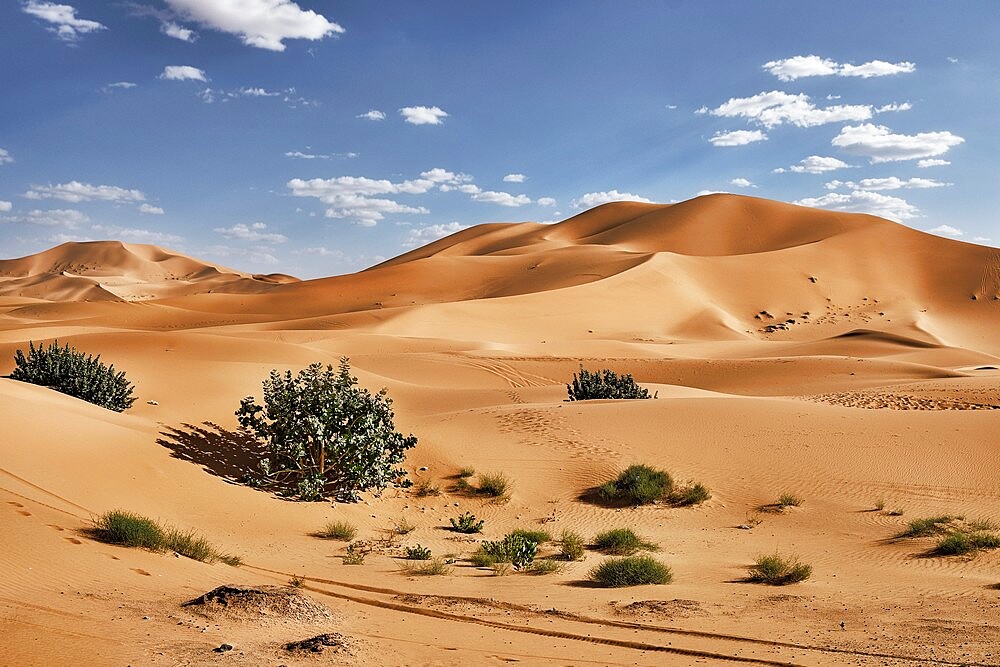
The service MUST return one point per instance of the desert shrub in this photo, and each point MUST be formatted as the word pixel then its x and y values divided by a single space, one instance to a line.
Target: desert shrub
pixel 418 553
pixel 325 435
pixel 691 495
pixel 545 566
pixel 638 484
pixel 355 554
pixel 500 569
pixel 432 567
pixel 130 530
pixel 571 545
pixel 983 525
pixel 296 581
pixel 589 385
pixel 536 536
pixel 514 549
pixel 963 542
pixel 621 542
pixel 777 570
pixel 403 526
pixel 190 544
pixel 466 523
pixel 426 487
pixel 467 471
pixel 482 559
pixel 934 525
pixel 631 571
pixel 880 504
pixel 69 371
pixel 789 500
pixel 338 530
pixel 494 485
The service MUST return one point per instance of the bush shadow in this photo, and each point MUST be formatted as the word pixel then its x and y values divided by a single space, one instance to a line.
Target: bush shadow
pixel 219 451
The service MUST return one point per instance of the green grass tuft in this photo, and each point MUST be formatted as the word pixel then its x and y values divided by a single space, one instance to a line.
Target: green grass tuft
pixel 467 471
pixel 622 542
pixel 934 525
pixel 777 570
pixel 789 500
pixel 130 530
pixel 536 536
pixel 631 571
pixel 571 545
pixel 639 485
pixel 494 485
pixel 339 530
pixel 691 495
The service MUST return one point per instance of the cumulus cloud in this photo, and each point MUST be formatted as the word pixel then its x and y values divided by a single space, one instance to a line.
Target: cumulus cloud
pixel 894 106
pixel 183 73
pixel 419 236
pixel 742 183
pixel 56 217
pixel 502 198
pixel 514 178
pixel 264 24
pixel 5 157
pixel 257 233
pixel 863 201
pixel 797 67
pixel 737 138
pixel 546 201
pixel 423 115
pixel 879 144
pixel 119 85
pixel 177 31
pixel 75 191
pixel 888 183
pixel 150 210
pixel 947 230
pixel 65 23
pixel 932 162
pixel 372 114
pixel 5 206
pixel 592 199
pixel 135 235
pixel 774 108
pixel 814 164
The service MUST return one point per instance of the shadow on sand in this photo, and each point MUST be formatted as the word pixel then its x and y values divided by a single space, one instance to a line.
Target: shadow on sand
pixel 220 452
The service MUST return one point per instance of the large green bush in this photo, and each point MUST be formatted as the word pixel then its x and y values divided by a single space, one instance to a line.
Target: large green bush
pixel 326 436
pixel 589 385
pixel 631 571
pixel 72 372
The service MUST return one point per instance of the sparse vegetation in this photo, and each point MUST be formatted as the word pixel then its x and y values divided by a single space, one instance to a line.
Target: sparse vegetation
pixel 500 569
pixel 403 526
pixel 545 566
pixel 494 485
pixel 514 549
pixel 426 487
pixel 296 581
pixel 418 553
pixel 638 484
pixel 880 505
pixel 789 500
pixel 467 523
pixel 934 525
pixel 622 542
pixel 963 542
pixel 778 570
pixel 571 545
pixel 355 554
pixel 432 567
pixel 338 530
pixel 691 495
pixel 133 530
pixel 536 536
pixel 467 471
pixel 590 385
pixel 69 371
pixel 631 571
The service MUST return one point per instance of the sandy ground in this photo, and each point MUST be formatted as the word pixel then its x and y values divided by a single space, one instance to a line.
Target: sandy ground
pixel 879 385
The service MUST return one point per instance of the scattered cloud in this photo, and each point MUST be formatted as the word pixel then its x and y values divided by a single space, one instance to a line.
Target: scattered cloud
pixel 889 183
pixel 256 255
pixel 501 198
pixel 177 31
pixel 954 61
pixel 546 201
pixel 798 67
pixel 514 178
pixel 257 233
pixel 65 23
pixel 56 217
pixel 264 24
pixel 862 201
pixel 592 199
pixel 183 73
pixel 150 210
pixel 932 162
pixel 288 95
pixel 119 85
pixel 423 115
pixel 702 193
pixel 814 164
pixel 742 183
pixel 671 106
pixel 774 108
pixel 737 138
pixel 982 239
pixel 136 235
pixel 75 191
pixel 5 206
pixel 894 106
pixel 5 157
pixel 419 236
pixel 879 144
pixel 946 230
pixel 372 114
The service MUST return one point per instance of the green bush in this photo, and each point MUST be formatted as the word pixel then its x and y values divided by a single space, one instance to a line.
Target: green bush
pixel 621 542
pixel 789 500
pixel 934 525
pixel 638 484
pixel 963 542
pixel 129 530
pixel 467 471
pixel 325 435
pixel 466 523
pixel 631 571
pixel 418 553
pixel 691 495
pixel 590 385
pixel 571 545
pixel 338 530
pixel 777 570
pixel 536 536
pixel 69 371
pixel 545 566
pixel 514 549
pixel 355 554
pixel 494 485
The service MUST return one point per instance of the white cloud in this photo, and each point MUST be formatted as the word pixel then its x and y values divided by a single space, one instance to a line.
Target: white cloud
pixel 546 201
pixel 352 197
pixel 702 193
pixel 321 251
pixel 932 162
pixel 5 157
pixel 671 106
pixel 257 92
pixel 742 183
pixel 150 210
pixel 135 235
pixel 177 31
pixel 953 61
pixel 256 233
pixel 888 183
pixel 737 138
pixel 879 144
pixel 592 199
pixel 75 191
pixel 373 114
pixel 5 206
pixel 982 239
pixel 775 108
pixel 122 85
pixel 260 23
pixel 63 18
pixel 514 178
pixel 894 106
pixel 56 217
pixel 814 164
pixel 798 67
pixel 183 73
pixel 862 201
pixel 502 198
pixel 946 230
pixel 423 115
pixel 306 156
pixel 419 236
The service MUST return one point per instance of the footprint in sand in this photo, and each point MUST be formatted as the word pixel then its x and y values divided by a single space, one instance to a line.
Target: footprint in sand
pixel 141 571
pixel 23 513
pixel 15 504
pixel 55 527
pixel 72 540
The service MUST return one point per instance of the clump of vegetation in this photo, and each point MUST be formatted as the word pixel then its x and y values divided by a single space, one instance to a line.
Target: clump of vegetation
pixel 571 545
pixel 778 570
pixel 494 485
pixel 467 523
pixel 622 542
pixel 69 371
pixel 590 385
pixel 338 530
pixel 515 549
pixel 638 484
pixel 133 530
pixel 432 567
pixel 355 554
pixel 296 581
pixel 695 494
pixel 326 436
pixel 536 536
pixel 963 542
pixel 418 553
pixel 789 500
pixel 500 569
pixel 545 566
pixel 880 505
pixel 403 526
pixel 425 488
pixel 934 525
pixel 631 571
pixel 465 472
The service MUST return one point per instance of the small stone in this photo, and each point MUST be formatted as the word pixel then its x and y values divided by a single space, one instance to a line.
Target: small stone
pixel 152 403
pixel 423 468
pixel 145 618
pixel 223 648
pixel 744 526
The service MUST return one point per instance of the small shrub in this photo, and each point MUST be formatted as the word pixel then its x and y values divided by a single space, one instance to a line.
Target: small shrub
pixel 403 527
pixel 432 567
pixel 355 554
pixel 590 385
pixel 691 495
pixel 463 486
pixel 71 372
pixel 230 559
pixel 621 542
pixel 500 569
pixel 895 512
pixel 466 472
pixel 514 549
pixel 789 500
pixel 339 530
pixel 129 530
pixel 631 571
pixel 779 571
pixel 880 505
pixel 466 523
pixel 536 536
pixel 638 484
pixel 189 544
pixel 494 485
pixel 983 525
pixel 426 488
pixel 934 525
pixel 482 559
pixel 963 542
pixel 296 581
pixel 546 566
pixel 418 553
pixel 571 545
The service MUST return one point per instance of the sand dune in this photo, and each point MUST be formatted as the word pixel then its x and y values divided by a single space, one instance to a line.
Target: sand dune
pixel 840 357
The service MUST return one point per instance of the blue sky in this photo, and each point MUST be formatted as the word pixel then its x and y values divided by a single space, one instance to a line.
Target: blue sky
pixel 317 138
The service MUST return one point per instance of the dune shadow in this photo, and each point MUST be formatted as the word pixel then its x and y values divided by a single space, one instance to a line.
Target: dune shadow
pixel 219 451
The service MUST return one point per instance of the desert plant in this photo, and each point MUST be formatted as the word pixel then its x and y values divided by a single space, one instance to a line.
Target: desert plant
pixel 691 495
pixel 338 530
pixel 621 542
pixel 571 545
pixel 494 485
pixel 467 471
pixel 355 554
pixel 500 569
pixel 778 570
pixel 514 549
pixel 431 567
pixel 536 536
pixel 296 581
pixel 426 487
pixel 189 544
pixel 934 525
pixel 466 523
pixel 589 385
pixel 482 559
pixel 963 542
pixel 69 371
pixel 545 566
pixel 325 435
pixel 638 484
pixel 789 500
pixel 631 571
pixel 418 553
pixel 880 504
pixel 403 526
pixel 130 530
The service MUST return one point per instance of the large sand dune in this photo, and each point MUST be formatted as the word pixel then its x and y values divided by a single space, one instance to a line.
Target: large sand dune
pixel 840 357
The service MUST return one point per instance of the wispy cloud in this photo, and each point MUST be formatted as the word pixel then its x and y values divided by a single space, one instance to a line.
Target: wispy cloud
pixel 150 210
pixel 372 114
pixel 5 157
pixel 63 19
pixel 419 236
pixel 737 138
pixel 257 233
pixel 797 67
pixel 862 201
pixel 514 178
pixel 75 191
pixel 887 183
pixel 946 230
pixel 880 144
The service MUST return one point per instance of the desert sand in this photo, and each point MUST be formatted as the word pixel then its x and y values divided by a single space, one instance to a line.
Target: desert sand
pixel 840 357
